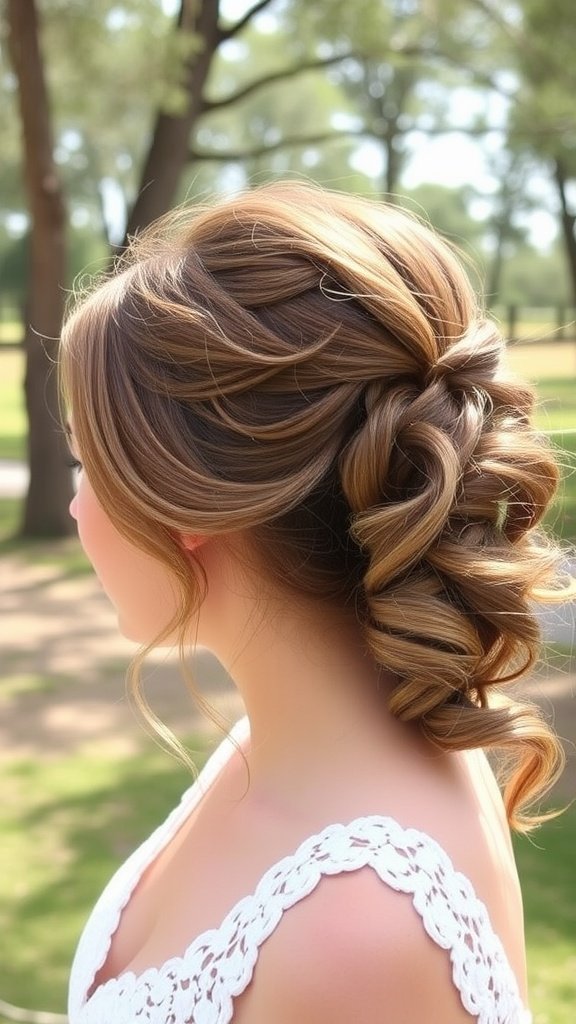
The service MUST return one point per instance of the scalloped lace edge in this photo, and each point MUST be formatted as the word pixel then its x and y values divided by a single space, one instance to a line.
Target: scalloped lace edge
pixel 198 987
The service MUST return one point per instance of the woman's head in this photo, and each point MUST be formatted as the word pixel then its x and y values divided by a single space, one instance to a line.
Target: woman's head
pixel 313 371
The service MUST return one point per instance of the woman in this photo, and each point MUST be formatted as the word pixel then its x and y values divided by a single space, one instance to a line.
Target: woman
pixel 300 449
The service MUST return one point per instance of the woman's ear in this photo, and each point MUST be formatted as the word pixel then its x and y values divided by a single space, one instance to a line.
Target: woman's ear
pixel 191 541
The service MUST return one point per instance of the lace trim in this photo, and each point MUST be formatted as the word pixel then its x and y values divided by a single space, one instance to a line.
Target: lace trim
pixel 198 988
pixel 96 938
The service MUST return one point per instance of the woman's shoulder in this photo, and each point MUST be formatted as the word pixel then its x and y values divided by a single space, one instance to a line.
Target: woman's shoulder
pixel 355 945
pixel 377 891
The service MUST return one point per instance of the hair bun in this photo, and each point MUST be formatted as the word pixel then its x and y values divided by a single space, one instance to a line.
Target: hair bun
pixel 472 360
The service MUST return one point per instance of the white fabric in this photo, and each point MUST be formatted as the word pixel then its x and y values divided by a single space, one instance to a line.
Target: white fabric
pixel 199 987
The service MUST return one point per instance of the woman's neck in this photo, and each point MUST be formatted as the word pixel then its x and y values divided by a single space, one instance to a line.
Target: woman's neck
pixel 314 695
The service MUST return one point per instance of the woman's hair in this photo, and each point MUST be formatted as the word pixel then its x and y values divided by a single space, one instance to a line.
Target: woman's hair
pixel 315 369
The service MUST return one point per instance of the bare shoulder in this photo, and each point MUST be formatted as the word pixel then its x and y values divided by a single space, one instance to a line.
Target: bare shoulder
pixel 353 950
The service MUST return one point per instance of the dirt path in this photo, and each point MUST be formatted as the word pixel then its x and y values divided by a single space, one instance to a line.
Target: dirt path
pixel 63 665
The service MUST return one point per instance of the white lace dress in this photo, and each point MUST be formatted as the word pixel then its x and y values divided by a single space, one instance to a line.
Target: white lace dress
pixel 199 986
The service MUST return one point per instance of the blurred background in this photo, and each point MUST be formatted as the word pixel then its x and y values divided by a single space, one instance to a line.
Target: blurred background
pixel 112 112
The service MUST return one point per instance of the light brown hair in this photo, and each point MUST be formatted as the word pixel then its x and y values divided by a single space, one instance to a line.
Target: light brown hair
pixel 315 369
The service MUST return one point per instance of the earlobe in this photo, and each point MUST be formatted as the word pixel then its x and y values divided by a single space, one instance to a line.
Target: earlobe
pixel 191 541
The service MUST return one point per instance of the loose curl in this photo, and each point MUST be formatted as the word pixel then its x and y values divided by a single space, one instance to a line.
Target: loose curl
pixel 315 369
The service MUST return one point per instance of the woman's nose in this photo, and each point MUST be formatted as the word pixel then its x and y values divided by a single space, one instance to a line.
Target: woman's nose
pixel 72 507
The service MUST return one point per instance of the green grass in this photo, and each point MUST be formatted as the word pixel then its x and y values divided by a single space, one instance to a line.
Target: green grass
pixel 557 658
pixel 65 826
pixel 66 555
pixel 546 865
pixel 557 403
pixel 10 332
pixel 557 412
pixel 21 683
pixel 12 418
pixel 9 513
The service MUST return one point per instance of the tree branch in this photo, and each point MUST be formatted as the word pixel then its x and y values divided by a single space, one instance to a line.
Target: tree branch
pixel 275 76
pixel 311 65
pixel 479 131
pixel 236 28
pixel 496 16
pixel 479 77
pixel 288 141
pixel 237 156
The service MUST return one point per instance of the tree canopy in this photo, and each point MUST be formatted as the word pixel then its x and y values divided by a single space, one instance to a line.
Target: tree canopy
pixel 346 94
pixel 151 103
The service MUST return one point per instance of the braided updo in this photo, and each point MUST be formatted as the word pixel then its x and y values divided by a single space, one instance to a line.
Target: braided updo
pixel 314 369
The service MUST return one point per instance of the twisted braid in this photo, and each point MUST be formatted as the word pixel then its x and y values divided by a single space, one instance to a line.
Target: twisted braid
pixel 446 479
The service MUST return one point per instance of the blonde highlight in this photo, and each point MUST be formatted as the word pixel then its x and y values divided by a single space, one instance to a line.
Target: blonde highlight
pixel 315 370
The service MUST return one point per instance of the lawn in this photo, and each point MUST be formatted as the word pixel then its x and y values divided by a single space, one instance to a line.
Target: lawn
pixel 66 554
pixel 64 827
pixel 557 414
pixel 9 508
pixel 546 866
pixel 12 418
pixel 10 332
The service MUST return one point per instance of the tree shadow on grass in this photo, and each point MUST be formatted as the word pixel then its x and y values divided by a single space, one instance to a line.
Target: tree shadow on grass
pixel 64 556
pixel 57 714
pixel 87 823
pixel 64 665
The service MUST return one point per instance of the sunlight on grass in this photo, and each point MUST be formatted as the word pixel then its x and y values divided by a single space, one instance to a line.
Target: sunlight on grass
pixel 11 332
pixel 546 866
pixel 65 555
pixel 539 361
pixel 24 683
pixel 64 827
pixel 557 412
pixel 9 513
pixel 12 416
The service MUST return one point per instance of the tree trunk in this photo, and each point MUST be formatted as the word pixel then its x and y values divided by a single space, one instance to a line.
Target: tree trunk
pixel 394 159
pixel 50 489
pixel 494 282
pixel 568 221
pixel 168 152
pixel 390 110
pixel 502 231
